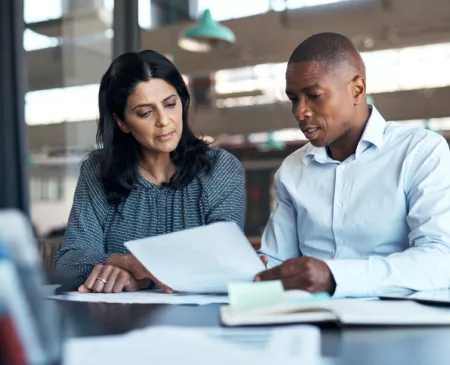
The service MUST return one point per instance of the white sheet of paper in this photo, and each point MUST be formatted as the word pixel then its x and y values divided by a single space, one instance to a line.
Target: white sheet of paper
pixel 202 260
pixel 196 345
pixel 387 312
pixel 143 297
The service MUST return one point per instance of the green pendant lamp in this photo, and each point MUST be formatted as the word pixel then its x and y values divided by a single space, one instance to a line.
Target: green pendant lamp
pixel 272 143
pixel 427 125
pixel 206 35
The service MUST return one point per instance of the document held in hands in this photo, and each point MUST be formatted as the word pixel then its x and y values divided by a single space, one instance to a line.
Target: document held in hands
pixel 199 260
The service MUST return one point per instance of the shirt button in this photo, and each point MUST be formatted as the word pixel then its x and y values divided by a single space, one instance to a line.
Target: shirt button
pixel 338 205
pixel 341 167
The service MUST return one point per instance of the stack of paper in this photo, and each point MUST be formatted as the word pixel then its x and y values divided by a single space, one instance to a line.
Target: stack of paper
pixel 143 297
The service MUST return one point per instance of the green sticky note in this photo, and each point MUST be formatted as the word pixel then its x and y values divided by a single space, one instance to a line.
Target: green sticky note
pixel 251 295
pixel 315 297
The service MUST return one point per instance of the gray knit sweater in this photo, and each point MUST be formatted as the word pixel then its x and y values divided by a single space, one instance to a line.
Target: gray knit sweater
pixel 97 230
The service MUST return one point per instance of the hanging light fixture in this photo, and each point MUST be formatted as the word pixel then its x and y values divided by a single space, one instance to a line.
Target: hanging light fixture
pixel 206 35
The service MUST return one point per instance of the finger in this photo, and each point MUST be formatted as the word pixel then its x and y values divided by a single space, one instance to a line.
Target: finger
pixel 162 286
pixel 135 285
pixel 103 275
pixel 265 260
pixel 122 280
pixel 272 274
pixel 83 289
pixel 113 276
pixel 165 288
pixel 286 269
pixel 90 282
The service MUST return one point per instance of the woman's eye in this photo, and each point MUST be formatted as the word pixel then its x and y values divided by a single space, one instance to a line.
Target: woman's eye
pixel 146 114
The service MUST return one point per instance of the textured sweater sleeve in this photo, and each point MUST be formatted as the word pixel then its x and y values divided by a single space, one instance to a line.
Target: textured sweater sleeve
pixel 225 190
pixel 83 244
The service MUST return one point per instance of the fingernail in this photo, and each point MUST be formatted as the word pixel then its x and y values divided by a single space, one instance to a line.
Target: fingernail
pixel 257 278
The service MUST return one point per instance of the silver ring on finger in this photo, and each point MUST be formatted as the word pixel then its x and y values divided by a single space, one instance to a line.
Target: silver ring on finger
pixel 101 280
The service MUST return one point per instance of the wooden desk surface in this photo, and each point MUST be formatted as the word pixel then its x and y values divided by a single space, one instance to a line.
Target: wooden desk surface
pixel 349 346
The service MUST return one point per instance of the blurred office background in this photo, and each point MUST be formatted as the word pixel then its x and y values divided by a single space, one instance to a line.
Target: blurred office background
pixel 238 90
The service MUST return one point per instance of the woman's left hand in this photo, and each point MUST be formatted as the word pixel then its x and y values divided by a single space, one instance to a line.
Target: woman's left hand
pixel 111 279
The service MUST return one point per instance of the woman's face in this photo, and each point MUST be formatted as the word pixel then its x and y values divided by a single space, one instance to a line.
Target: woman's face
pixel 154 116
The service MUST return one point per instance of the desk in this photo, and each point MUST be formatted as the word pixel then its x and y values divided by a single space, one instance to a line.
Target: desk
pixel 351 346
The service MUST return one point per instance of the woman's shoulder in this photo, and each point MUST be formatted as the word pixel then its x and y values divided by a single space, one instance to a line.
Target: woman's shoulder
pixel 225 170
pixel 90 174
pixel 90 166
pixel 224 163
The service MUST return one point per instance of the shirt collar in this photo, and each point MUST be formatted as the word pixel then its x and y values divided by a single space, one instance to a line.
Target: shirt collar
pixel 373 134
pixel 374 131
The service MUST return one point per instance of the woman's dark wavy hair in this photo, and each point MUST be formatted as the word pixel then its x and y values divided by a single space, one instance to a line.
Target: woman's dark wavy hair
pixel 120 152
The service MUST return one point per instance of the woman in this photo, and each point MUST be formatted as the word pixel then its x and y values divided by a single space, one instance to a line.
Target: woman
pixel 151 176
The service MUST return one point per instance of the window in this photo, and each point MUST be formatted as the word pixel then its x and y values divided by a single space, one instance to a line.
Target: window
pixel 48 189
pixel 34 12
pixel 144 12
pixel 33 41
pixel 391 70
pixel 52 179
pixel 68 104
pixel 231 9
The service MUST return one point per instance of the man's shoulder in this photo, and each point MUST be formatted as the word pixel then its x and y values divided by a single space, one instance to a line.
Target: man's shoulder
pixel 412 136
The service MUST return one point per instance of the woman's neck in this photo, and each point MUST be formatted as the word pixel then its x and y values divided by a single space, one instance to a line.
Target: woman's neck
pixel 156 167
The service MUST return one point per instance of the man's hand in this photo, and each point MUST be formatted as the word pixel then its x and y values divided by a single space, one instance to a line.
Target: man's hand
pixel 305 273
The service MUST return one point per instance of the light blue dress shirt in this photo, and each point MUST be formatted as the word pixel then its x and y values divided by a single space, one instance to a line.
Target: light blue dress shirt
pixel 380 219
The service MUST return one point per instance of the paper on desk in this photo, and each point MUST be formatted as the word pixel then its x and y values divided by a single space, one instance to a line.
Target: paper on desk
pixel 388 313
pixel 175 345
pixel 202 259
pixel 143 297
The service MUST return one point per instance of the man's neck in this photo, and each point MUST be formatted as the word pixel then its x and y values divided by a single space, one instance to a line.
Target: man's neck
pixel 346 146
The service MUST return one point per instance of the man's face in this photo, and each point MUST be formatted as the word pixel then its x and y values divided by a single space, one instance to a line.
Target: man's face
pixel 322 99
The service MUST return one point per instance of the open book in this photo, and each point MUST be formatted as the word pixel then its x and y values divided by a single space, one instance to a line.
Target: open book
pixel 341 311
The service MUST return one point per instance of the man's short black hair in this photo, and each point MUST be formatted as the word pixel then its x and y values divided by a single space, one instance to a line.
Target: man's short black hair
pixel 332 48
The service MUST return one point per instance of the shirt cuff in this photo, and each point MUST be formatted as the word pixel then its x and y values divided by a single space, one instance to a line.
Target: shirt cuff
pixel 351 277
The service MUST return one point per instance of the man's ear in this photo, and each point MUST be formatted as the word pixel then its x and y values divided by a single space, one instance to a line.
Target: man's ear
pixel 121 124
pixel 358 86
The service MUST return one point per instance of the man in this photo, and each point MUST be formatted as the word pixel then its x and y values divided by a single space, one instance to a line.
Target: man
pixel 364 208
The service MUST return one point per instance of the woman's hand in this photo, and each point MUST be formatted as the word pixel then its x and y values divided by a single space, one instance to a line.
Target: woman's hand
pixel 129 263
pixel 111 279
pixel 132 265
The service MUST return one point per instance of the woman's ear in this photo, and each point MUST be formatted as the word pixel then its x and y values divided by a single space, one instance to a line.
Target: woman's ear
pixel 121 124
